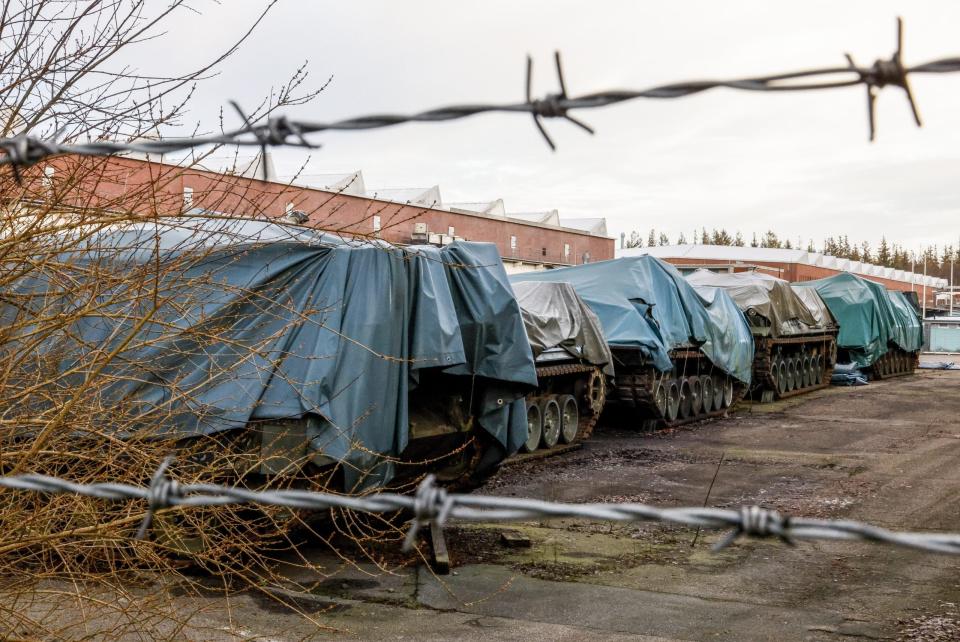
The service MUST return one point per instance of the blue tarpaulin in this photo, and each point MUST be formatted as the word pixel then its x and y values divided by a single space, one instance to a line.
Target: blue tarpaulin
pixel 261 321
pixel 645 303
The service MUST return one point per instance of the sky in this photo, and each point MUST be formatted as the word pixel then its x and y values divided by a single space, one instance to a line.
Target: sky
pixel 799 164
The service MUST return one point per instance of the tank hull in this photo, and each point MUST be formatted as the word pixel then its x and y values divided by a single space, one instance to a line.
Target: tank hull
pixel 694 390
pixel 785 367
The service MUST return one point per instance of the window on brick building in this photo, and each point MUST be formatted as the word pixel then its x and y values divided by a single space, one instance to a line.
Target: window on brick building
pixel 513 242
pixel 451 231
pixel 544 252
pixel 187 198
pixel 566 250
pixel 376 223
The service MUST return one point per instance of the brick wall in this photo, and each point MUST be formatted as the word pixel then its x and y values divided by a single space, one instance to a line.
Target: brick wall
pixel 152 188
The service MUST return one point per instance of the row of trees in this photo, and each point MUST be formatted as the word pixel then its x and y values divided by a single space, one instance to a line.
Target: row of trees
pixel 938 259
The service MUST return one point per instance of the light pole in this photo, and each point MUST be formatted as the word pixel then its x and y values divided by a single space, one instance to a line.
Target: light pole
pixel 923 315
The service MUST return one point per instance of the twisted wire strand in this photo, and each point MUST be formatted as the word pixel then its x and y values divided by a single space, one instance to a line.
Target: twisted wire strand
pixel 433 504
pixel 24 150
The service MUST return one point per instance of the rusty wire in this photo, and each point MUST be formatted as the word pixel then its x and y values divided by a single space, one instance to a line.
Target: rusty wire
pixel 432 503
pixel 24 150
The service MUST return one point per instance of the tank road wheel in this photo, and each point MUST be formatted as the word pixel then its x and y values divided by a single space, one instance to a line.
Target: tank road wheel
pixel 706 392
pixel 550 411
pixel 696 395
pixel 686 399
pixel 775 372
pixel 791 375
pixel 660 398
pixel 727 392
pixel 534 427
pixel 673 400
pixel 569 418
pixel 717 392
pixel 781 376
pixel 806 372
pixel 819 369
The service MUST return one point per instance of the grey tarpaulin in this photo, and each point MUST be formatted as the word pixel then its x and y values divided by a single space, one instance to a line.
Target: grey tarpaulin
pixel 264 321
pixel 555 317
pixel 818 309
pixel 767 301
pixel 646 304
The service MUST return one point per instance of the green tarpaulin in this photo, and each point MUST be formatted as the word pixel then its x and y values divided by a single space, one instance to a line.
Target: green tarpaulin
pixel 911 338
pixel 869 318
pixel 645 303
pixel 262 321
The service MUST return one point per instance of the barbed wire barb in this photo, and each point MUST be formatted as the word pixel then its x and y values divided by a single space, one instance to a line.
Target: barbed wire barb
pixel 26 149
pixel 432 503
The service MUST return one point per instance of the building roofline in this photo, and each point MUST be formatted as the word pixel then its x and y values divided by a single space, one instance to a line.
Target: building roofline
pixel 795 256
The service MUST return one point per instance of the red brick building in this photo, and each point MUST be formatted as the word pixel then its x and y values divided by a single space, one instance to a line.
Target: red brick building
pixel 791 265
pixel 335 203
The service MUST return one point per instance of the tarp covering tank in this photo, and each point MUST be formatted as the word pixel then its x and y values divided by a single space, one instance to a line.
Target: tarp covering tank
pixel 867 315
pixel 645 303
pixel 769 303
pixel 910 337
pixel 815 305
pixel 555 317
pixel 263 321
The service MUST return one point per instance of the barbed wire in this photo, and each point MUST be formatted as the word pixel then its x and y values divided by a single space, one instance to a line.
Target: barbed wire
pixel 24 150
pixel 431 503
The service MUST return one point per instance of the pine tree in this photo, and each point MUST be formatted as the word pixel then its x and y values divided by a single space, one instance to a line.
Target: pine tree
pixel 635 240
pixel 652 239
pixel 883 253
pixel 770 239
pixel 704 237
pixel 787 245
pixel 754 242
pixel 829 246
pixel 810 247
pixel 664 239
pixel 738 241
pixel 682 240
pixel 721 238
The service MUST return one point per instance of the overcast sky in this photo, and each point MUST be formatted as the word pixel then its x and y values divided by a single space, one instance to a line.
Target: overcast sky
pixel 797 163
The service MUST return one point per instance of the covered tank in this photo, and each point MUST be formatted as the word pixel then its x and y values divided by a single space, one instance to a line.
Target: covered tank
pixel 360 364
pixel 573 364
pixel 679 355
pixel 879 329
pixel 794 335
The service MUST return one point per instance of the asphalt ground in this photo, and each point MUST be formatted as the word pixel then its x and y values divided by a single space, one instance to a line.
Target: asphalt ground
pixel 887 453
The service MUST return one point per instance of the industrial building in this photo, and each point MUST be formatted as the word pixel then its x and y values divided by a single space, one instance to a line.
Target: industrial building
pixel 791 265
pixel 341 203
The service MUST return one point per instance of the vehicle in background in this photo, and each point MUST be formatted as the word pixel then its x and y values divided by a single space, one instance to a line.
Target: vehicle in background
pixel 573 364
pixel 679 355
pixel 880 331
pixel 794 350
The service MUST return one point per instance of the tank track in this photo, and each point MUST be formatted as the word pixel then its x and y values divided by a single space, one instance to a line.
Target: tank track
pixel 637 389
pixel 769 351
pixel 895 363
pixel 591 405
